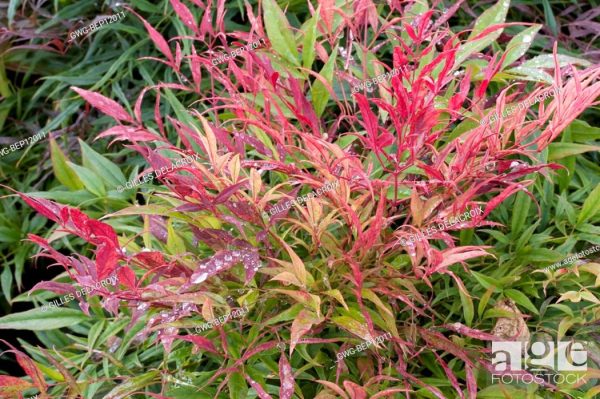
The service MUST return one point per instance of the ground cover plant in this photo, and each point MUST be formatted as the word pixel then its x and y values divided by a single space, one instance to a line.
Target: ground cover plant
pixel 334 199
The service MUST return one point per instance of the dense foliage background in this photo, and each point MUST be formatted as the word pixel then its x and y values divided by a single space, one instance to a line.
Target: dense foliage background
pixel 276 122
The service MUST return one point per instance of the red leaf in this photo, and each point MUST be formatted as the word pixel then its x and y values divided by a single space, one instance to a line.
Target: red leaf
pixel 76 222
pixel 11 386
pixel 28 365
pixel 127 277
pixel 286 377
pixel 229 191
pixel 46 207
pixel 106 261
pixel 104 104
pixel 150 259
pixel 52 253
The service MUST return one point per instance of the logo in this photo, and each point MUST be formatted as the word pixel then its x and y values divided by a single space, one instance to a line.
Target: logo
pixel 542 361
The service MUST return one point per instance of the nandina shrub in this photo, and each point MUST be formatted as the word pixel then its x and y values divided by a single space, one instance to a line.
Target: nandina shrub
pixel 370 171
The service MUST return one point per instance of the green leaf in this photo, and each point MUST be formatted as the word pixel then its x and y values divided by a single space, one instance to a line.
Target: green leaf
pixel 501 391
pixel 549 15
pixel 590 207
pixel 278 31
pixel 565 324
pixel 521 299
pixel 485 298
pixel 8 234
pixel 287 315
pixel 353 326
pixel 310 37
pixel 133 384
pixel 564 176
pixel 62 171
pixel 581 131
pixel 562 307
pixel 36 320
pixel 6 280
pixel 401 193
pixel 12 8
pixel 547 61
pixel 562 150
pixel 104 168
pixel 91 181
pixel 492 16
pixel 519 45
pixel 486 281
pixel 531 74
pixel 175 244
pixel 238 389
pixel 319 93
pixel 520 212
pixel 467 305
pixel 525 237
pixel 539 255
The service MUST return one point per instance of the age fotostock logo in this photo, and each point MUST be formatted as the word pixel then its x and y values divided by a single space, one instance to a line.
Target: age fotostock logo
pixel 545 361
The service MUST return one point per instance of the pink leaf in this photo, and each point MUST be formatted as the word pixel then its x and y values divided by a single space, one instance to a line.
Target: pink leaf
pixel 199 342
pixel 184 14
pixel 286 377
pixel 259 349
pixel 470 332
pixel 355 391
pixel 223 260
pixel 471 383
pixel 334 388
pixel 262 394
pixel 157 38
pixel 59 288
pixel 105 105
pixel 451 377
pixel 301 325
pixel 129 133
pixel 455 255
